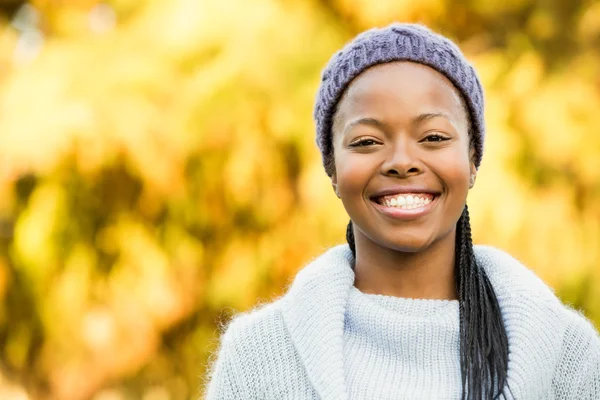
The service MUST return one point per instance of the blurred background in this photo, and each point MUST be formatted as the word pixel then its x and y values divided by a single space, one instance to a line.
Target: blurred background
pixel 158 171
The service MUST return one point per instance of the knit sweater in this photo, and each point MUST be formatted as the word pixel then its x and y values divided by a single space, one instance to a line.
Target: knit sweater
pixel 326 340
pixel 411 345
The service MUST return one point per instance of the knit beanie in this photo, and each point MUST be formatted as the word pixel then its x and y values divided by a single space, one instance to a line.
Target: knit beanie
pixel 396 42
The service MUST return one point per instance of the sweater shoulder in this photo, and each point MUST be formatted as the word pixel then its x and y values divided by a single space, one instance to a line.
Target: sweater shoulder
pixel 577 374
pixel 580 337
pixel 542 330
pixel 257 325
pixel 511 278
pixel 515 282
pixel 245 343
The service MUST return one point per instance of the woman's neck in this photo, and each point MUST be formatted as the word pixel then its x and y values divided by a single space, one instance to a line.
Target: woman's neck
pixel 428 274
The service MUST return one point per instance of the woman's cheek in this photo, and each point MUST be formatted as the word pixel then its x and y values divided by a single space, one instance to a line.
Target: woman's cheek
pixel 454 169
pixel 353 173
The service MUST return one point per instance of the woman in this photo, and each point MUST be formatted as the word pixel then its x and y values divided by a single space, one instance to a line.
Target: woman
pixel 409 309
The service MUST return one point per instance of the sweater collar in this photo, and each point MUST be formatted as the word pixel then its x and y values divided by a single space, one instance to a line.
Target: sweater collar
pixel 314 309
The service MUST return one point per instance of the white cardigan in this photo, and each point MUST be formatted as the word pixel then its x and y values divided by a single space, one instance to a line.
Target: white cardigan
pixel 293 348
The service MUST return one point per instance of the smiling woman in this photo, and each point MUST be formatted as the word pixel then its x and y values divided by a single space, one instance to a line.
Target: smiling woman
pixel 409 308
pixel 400 134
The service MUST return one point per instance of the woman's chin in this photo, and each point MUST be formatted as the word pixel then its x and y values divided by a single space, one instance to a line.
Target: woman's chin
pixel 407 245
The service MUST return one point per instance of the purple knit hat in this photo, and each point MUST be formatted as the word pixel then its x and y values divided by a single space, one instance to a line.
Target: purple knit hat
pixel 396 42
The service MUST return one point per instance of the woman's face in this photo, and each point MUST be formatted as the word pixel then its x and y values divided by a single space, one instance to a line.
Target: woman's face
pixel 402 158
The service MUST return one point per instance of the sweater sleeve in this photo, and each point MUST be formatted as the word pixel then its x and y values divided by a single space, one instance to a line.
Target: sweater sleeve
pixel 577 375
pixel 590 386
pixel 226 378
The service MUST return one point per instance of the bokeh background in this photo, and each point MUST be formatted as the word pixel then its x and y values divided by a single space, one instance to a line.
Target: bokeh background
pixel 158 171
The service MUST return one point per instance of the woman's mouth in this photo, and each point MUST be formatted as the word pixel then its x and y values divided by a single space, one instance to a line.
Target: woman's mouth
pixel 405 206
pixel 405 201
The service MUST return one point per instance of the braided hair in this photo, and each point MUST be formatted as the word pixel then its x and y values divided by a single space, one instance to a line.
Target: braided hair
pixel 483 339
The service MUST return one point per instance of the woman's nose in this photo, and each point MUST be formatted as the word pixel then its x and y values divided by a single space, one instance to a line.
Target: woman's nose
pixel 402 160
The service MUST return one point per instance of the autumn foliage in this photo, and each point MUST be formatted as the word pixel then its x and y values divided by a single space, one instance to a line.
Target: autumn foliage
pixel 158 171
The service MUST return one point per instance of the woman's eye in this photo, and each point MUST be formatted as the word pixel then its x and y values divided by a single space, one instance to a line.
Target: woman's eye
pixel 436 138
pixel 363 143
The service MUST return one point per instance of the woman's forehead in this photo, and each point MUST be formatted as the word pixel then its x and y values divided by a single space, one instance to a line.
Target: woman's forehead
pixel 411 86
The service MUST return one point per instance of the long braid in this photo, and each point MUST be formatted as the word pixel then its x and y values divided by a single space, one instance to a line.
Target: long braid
pixel 483 339
pixel 350 238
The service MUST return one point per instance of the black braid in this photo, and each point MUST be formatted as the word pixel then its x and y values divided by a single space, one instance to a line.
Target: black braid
pixel 484 343
pixel 483 339
pixel 350 238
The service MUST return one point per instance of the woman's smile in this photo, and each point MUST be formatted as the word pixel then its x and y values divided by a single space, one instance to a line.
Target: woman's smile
pixel 404 203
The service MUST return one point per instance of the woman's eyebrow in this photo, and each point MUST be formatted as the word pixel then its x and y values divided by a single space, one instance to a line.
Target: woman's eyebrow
pixel 364 121
pixel 427 116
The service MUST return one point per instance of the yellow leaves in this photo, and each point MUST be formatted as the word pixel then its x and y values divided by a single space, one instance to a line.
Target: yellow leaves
pixel 9 390
pixel 374 13
pixel 558 118
pixel 255 177
pixel 8 41
pixel 566 260
pixel 72 21
pixel 112 324
pixel 98 329
pixel 589 24
pixel 17 346
pixel 498 7
pixel 234 280
pixel 542 25
pixel 141 276
pixel 185 251
pixel 490 209
pixel 490 66
pixel 551 116
pixel 524 76
pixel 312 178
pixel 241 170
pixel 176 172
pixel 70 293
pixel 26 92
pixel 33 244
pixel 5 280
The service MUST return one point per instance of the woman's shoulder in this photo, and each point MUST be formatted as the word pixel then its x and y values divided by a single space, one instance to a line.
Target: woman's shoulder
pixel 542 330
pixel 248 335
pixel 255 351
pixel 317 283
pixel 577 372
pixel 263 324
pixel 517 284
pixel 510 277
pixel 581 335
pixel 518 288
pixel 525 298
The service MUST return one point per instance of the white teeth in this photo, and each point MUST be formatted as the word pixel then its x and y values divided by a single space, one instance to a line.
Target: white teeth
pixel 407 202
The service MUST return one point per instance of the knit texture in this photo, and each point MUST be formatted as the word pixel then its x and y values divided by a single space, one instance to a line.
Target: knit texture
pixel 325 340
pixel 397 42
pixel 408 344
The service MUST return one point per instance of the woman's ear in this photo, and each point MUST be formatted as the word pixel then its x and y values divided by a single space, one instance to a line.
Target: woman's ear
pixel 334 184
pixel 472 168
